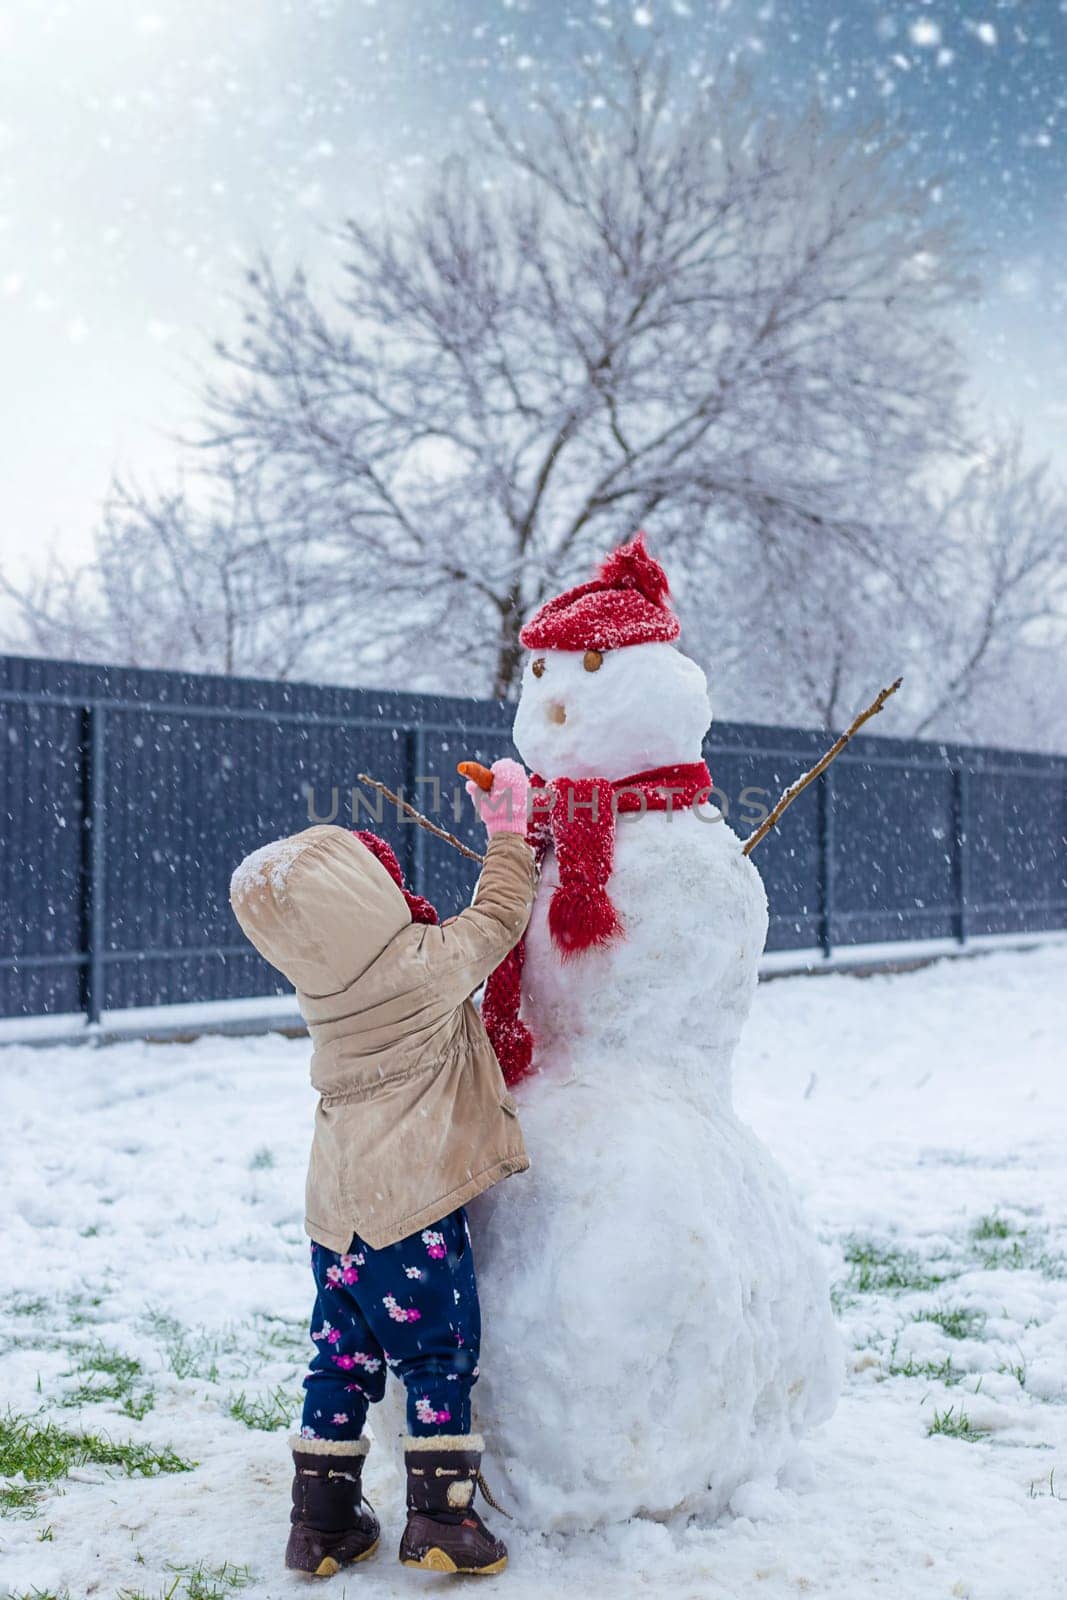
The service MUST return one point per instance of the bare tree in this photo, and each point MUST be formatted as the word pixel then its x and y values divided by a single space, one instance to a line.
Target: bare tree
pixel 175 583
pixel 995 592
pixel 969 601
pixel 801 635
pixel 662 304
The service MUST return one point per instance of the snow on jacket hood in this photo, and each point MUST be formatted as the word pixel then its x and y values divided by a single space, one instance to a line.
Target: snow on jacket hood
pixel 322 944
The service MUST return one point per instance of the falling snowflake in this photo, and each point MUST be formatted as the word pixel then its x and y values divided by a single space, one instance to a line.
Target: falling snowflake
pixel 985 32
pixel 925 33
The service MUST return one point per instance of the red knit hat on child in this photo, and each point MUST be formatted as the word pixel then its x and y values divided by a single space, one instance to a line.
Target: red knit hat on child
pixel 626 603
pixel 420 908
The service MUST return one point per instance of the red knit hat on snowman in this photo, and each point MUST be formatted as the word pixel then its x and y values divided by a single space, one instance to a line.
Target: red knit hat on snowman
pixel 626 603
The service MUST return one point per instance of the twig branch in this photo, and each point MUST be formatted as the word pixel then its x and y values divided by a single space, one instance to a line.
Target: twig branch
pixel 423 822
pixel 786 800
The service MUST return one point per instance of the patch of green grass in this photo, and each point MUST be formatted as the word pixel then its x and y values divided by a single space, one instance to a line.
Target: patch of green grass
pixel 212 1583
pixel 1003 1245
pixel 956 1321
pixel 43 1452
pixel 267 1412
pixel 38 1594
pixel 83 1309
pixel 936 1371
pixel 24 1341
pixel 200 1582
pixel 18 1499
pixel 283 1338
pixel 114 1377
pixel 212 1354
pixel 955 1424
pixel 876 1268
pixel 262 1160
pixel 24 1305
pixel 994 1226
pixel 1014 1257
pixel 192 1352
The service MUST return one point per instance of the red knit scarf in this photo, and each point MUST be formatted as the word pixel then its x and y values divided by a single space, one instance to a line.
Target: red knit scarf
pixel 577 817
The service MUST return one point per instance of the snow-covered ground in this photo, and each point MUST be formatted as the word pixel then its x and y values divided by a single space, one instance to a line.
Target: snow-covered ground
pixel 153 1247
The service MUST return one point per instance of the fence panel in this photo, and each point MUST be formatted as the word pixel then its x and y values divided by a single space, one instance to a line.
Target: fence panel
pixel 1016 834
pixel 894 851
pixel 42 866
pixel 127 797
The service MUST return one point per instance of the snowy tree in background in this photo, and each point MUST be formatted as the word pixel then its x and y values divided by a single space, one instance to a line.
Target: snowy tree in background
pixel 201 583
pixel 998 548
pixel 662 306
pixel 968 598
pixel 658 307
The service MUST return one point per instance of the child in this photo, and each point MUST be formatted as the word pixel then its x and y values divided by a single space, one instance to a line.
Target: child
pixel 413 1121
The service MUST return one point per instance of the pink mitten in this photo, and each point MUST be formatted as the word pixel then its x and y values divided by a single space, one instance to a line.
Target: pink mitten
pixel 503 809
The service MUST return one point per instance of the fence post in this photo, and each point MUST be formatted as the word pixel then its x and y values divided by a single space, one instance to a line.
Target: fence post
pixel 961 810
pixel 94 820
pixel 826 863
pixel 415 851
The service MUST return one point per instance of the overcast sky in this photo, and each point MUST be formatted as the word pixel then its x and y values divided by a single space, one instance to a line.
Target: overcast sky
pixel 148 150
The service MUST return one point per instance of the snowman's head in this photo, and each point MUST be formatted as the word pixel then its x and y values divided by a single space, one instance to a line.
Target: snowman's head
pixel 610 713
pixel 605 693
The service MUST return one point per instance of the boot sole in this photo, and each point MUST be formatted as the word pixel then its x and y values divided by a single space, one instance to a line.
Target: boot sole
pixel 328 1567
pixel 436 1560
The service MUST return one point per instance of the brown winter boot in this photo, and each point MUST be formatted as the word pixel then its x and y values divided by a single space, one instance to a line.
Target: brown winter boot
pixel 333 1526
pixel 444 1532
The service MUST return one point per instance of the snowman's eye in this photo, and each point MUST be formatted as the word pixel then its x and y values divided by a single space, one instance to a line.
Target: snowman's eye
pixel 538 667
pixel 593 661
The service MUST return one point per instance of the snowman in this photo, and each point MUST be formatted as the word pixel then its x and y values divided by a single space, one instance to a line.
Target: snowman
pixel 657 1319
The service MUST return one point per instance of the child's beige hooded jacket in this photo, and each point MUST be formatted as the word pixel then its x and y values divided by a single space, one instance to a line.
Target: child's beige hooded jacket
pixel 414 1118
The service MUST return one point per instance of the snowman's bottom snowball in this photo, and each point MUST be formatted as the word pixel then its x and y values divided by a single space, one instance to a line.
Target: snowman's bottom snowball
pixel 657 1325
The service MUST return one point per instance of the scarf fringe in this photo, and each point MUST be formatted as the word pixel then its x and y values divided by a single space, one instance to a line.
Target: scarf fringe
pixel 508 1034
pixel 580 919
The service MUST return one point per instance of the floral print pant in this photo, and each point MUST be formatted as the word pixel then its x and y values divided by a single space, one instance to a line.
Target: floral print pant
pixel 412 1308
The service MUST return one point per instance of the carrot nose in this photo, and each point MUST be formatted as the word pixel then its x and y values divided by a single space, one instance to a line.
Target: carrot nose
pixel 477 774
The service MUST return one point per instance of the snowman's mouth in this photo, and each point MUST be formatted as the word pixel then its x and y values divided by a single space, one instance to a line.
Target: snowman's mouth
pixel 556 712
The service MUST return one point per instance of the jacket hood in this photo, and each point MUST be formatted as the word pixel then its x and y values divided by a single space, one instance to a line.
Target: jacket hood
pixel 319 907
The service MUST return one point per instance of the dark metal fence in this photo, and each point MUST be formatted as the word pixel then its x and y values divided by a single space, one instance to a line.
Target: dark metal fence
pixel 127 797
